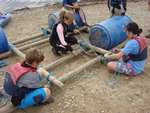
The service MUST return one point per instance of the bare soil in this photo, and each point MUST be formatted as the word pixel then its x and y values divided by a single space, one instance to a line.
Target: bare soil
pixel 94 90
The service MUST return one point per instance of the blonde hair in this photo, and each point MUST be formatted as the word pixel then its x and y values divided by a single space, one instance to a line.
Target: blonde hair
pixel 34 55
pixel 64 14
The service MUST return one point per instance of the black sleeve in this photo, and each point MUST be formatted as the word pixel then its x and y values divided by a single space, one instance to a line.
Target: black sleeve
pixel 124 2
pixel 108 4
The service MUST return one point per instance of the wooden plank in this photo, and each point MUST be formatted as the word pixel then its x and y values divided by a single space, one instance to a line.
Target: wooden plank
pixel 78 70
pixel 16 51
pixel 27 38
pixel 33 44
pixel 4 55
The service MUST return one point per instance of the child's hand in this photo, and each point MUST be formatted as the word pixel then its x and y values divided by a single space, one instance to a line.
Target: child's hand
pixel 76 6
pixel 115 50
pixel 57 82
pixel 76 31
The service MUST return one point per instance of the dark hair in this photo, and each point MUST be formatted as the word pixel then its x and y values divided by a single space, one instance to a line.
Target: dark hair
pixel 34 55
pixel 134 28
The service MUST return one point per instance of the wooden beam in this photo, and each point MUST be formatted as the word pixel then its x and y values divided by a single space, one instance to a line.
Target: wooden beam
pixel 27 38
pixel 99 50
pixel 42 71
pixel 86 45
pixel 78 70
pixel 61 60
pixel 33 44
pixel 16 51
pixel 4 55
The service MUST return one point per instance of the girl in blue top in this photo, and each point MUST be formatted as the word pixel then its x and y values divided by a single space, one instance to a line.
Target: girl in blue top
pixel 132 58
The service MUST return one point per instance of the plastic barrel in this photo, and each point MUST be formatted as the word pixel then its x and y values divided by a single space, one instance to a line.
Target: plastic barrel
pixel 52 19
pixel 4 19
pixel 3 42
pixel 109 33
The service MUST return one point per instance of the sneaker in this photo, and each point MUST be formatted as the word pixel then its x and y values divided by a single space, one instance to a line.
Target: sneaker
pixel 56 53
pixel 49 101
pixel 64 52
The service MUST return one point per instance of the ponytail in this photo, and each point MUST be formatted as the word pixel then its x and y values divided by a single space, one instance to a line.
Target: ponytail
pixel 61 15
pixel 140 31
pixel 64 14
pixel 134 28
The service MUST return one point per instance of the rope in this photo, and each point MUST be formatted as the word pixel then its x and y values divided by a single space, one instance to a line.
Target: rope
pixel 47 78
pixel 3 63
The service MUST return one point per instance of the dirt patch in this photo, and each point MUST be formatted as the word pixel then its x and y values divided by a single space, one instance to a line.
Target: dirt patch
pixel 94 90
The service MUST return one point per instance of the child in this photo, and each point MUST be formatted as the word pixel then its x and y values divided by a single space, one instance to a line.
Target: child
pixel 117 7
pixel 59 40
pixel 132 58
pixel 73 5
pixel 22 82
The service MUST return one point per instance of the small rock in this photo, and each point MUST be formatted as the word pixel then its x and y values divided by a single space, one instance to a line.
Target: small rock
pixel 102 111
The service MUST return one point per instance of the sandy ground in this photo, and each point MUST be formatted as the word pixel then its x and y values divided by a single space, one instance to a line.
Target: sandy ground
pixel 94 90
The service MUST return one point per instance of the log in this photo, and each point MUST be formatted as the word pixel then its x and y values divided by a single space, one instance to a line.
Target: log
pixel 78 70
pixel 99 50
pixel 61 60
pixel 7 109
pixel 29 41
pixel 86 46
pixel 27 38
pixel 33 44
pixel 16 51
pixel 4 55
pixel 42 71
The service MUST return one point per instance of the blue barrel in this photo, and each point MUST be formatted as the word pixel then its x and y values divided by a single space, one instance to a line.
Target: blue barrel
pixel 109 33
pixel 3 42
pixel 4 19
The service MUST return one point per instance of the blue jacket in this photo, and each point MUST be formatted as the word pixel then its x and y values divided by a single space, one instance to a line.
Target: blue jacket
pixel 69 2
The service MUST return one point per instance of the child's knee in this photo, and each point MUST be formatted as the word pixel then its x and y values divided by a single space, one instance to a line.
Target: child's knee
pixel 48 92
pixel 111 66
